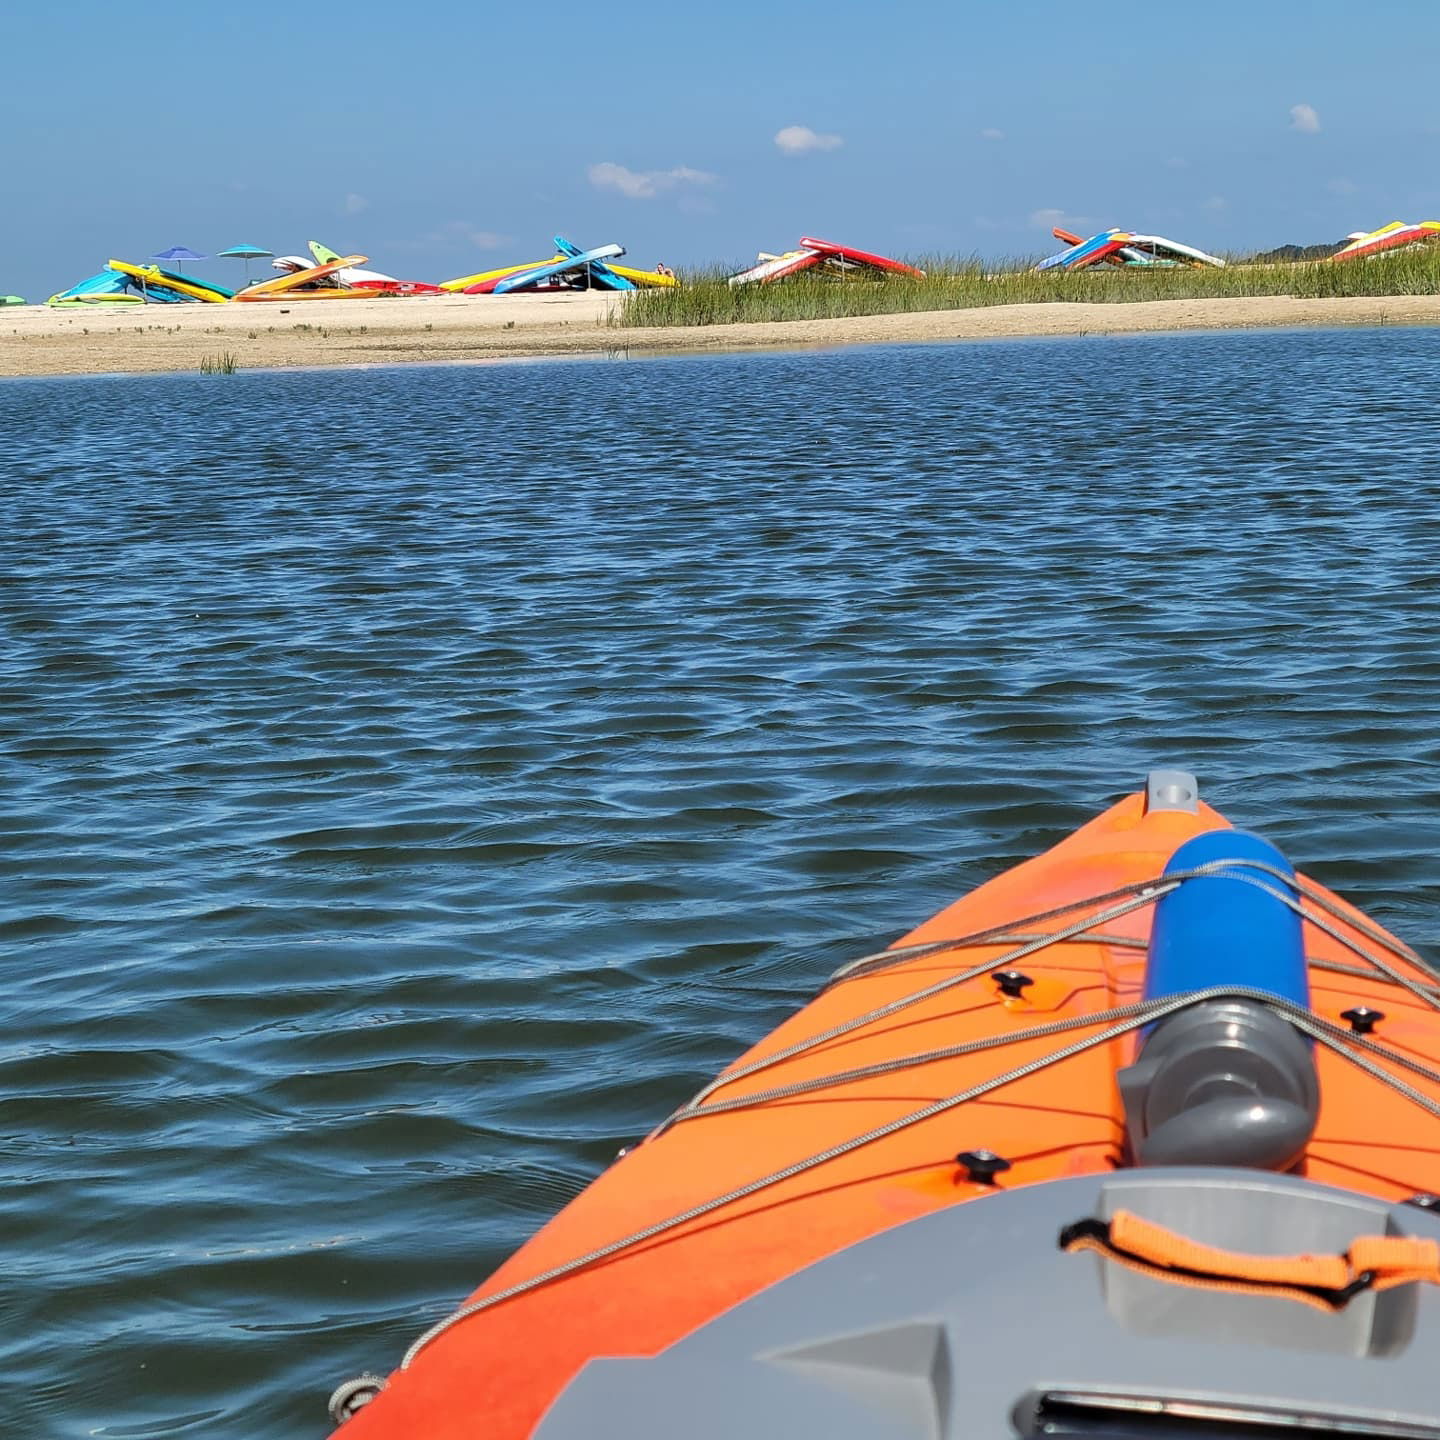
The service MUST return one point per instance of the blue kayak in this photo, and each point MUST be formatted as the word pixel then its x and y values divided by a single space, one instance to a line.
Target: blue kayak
pixel 603 276
pixel 567 266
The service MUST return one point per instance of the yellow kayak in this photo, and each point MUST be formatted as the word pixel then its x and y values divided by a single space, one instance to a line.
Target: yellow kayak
pixel 286 284
pixel 646 279
pixel 1372 236
pixel 651 279
pixel 152 275
pixel 95 302
pixel 464 282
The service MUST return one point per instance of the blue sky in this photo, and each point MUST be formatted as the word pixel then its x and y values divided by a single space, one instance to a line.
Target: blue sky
pixel 439 138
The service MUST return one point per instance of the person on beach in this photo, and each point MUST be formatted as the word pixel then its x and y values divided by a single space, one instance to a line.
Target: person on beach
pixel 661 268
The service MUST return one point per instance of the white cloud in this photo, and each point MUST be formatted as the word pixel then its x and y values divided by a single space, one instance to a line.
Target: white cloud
pixel 1048 219
pixel 991 133
pixel 462 233
pixel 644 184
pixel 1304 118
pixel 478 239
pixel 354 203
pixel 797 139
pixel 1177 162
pixel 1216 202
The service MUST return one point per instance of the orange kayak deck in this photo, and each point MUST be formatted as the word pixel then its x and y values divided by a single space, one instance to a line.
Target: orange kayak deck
pixel 497 1372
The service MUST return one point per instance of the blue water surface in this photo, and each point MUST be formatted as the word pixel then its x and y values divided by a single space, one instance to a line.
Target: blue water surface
pixel 417 780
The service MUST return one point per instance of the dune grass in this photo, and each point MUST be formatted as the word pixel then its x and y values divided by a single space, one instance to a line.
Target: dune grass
pixel 951 283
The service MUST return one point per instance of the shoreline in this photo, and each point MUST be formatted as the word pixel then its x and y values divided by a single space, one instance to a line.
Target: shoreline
pixel 36 340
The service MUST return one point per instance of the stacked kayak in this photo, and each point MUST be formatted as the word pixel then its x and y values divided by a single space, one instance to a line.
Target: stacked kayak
pixel 570 267
pixel 1151 250
pixel 1137 1139
pixel 121 283
pixel 375 281
pixel 314 282
pixel 823 257
pixel 1397 235
pixel 171 282
pixel 1104 245
pixel 105 288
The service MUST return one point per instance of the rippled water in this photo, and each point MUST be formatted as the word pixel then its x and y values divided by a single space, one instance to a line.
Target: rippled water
pixel 417 780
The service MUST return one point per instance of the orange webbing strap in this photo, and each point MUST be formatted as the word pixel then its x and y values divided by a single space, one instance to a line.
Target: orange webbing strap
pixel 1373 1262
pixel 1159 1246
pixel 1395 1259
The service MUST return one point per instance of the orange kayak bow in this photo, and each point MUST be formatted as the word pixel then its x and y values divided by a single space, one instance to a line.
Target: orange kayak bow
pixel 1059 1157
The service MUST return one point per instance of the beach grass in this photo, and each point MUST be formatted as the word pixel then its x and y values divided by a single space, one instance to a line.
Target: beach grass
pixel 964 283
pixel 226 364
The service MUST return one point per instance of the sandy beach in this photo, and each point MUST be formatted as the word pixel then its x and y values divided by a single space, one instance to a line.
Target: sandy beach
pixel 37 340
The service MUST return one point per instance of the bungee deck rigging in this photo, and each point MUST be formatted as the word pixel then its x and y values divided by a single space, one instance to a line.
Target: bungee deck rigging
pixel 770 1221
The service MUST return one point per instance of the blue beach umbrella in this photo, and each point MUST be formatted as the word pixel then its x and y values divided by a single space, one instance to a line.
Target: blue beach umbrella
pixel 247 253
pixel 174 253
pixel 179 252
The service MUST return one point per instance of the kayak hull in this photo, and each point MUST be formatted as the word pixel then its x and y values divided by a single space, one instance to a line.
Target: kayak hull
pixel 1391 238
pixel 152 277
pixel 315 294
pixel 566 265
pixel 1091 251
pixel 296 279
pixel 861 257
pixel 508 1364
pixel 470 283
pixel 777 267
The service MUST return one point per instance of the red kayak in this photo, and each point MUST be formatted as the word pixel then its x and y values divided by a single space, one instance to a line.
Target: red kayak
pixel 860 257
pixel 397 287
